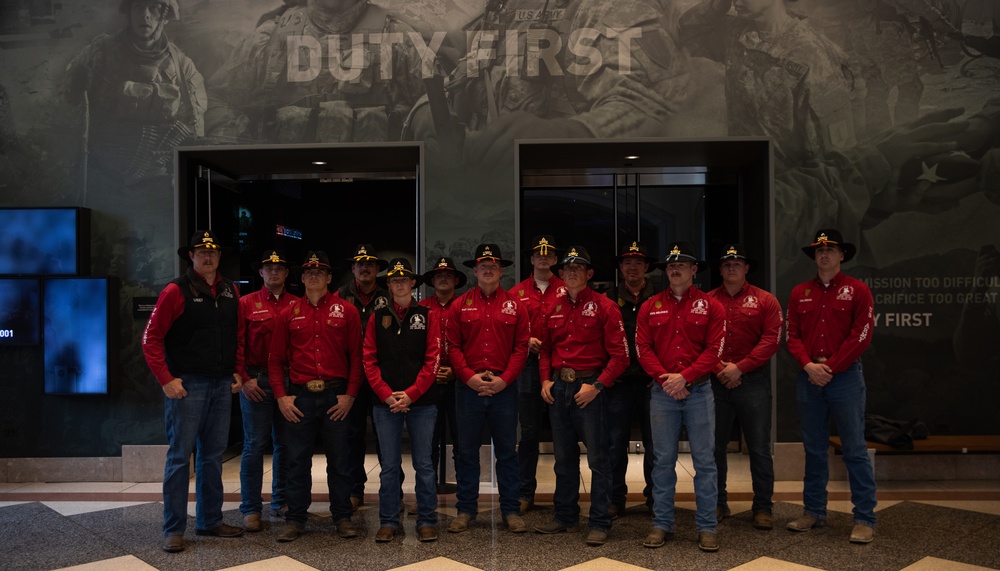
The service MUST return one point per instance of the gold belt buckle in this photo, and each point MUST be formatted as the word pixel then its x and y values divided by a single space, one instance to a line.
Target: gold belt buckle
pixel 316 385
pixel 568 375
pixel 819 360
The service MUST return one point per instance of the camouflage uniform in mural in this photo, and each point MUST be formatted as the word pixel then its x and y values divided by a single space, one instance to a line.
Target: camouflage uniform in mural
pixel 315 72
pixel 143 95
pixel 791 85
pixel 612 92
pixel 881 39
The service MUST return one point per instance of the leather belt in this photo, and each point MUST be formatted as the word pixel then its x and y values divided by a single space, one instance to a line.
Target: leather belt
pixel 320 385
pixel 699 380
pixel 570 375
pixel 819 360
pixel 255 371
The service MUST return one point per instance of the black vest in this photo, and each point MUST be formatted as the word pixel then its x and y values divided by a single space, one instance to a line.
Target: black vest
pixel 202 341
pixel 379 299
pixel 402 347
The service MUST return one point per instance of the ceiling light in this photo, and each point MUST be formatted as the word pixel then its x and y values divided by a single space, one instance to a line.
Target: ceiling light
pixel 319 163
pixel 631 157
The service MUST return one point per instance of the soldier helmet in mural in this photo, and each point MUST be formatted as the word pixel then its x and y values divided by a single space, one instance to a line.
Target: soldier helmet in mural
pixel 201 239
pixel 171 10
pixel 271 256
pixel 544 245
pixel 488 252
pixel 634 249
pixel 830 237
pixel 575 255
pixel 317 260
pixel 446 264
pixel 736 251
pixel 399 268
pixel 680 252
pixel 367 253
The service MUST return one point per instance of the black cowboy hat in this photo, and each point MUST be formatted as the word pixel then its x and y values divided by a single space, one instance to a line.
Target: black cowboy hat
pixel 200 239
pixel 830 237
pixel 487 252
pixel 399 267
pixel 367 253
pixel 446 264
pixel 272 256
pixel 317 260
pixel 634 249
pixel 575 255
pixel 544 245
pixel 680 252
pixel 736 251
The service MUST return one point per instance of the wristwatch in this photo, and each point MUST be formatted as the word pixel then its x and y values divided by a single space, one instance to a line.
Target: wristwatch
pixel 599 386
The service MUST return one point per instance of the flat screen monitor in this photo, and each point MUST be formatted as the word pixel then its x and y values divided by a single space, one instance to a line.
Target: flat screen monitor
pixel 77 334
pixel 44 241
pixel 20 311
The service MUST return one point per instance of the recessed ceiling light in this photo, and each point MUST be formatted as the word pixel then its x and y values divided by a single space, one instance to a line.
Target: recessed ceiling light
pixel 318 163
pixel 631 157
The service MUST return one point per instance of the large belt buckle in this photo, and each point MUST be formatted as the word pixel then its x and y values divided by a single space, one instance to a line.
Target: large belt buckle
pixel 819 360
pixel 316 385
pixel 568 375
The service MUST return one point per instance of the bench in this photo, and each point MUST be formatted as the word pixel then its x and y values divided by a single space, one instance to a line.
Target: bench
pixel 959 457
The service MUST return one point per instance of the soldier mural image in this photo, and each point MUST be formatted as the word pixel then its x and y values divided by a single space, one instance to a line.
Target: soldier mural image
pixel 320 71
pixel 141 95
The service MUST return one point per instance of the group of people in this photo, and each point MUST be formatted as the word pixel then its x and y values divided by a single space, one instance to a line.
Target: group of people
pixel 679 358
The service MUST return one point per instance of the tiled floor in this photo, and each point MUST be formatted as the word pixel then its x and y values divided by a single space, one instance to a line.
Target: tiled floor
pixel 925 526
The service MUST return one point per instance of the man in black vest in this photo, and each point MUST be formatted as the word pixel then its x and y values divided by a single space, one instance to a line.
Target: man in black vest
pixel 192 345
pixel 401 360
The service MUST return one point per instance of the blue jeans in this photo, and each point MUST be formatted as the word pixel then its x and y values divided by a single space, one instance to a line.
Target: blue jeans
pixel 843 401
pixel 530 412
pixel 300 443
pixel 420 424
pixel 628 399
pixel 357 421
pixel 570 425
pixel 499 412
pixel 445 427
pixel 260 421
pixel 750 404
pixel 196 423
pixel 696 413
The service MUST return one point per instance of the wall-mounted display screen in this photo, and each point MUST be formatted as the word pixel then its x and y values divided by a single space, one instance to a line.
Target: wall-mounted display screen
pixel 76 334
pixel 44 241
pixel 20 306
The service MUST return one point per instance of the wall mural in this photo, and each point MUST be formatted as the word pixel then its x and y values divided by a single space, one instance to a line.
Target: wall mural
pixel 882 112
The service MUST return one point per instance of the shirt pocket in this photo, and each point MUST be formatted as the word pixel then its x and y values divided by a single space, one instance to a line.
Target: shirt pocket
pixel 659 319
pixel 588 329
pixel 696 327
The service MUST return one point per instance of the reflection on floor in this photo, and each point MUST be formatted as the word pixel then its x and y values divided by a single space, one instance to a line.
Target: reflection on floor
pixel 925 526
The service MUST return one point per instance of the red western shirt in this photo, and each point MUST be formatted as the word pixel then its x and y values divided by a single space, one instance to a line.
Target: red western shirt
pixel 487 333
pixel 258 311
pixel 320 341
pixel 440 313
pixel 428 374
pixel 539 303
pixel 683 336
pixel 170 306
pixel 753 327
pixel 832 322
pixel 584 335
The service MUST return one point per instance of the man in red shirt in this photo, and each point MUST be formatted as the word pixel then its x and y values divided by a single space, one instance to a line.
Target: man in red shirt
pixel 628 400
pixel 488 346
pixel 445 278
pixel 537 293
pixel 830 323
pixel 678 338
pixel 741 381
pixel 583 351
pixel 318 340
pixel 192 345
pixel 366 296
pixel 258 311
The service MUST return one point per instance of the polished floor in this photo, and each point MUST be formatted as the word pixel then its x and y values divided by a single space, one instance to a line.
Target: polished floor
pixel 923 526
